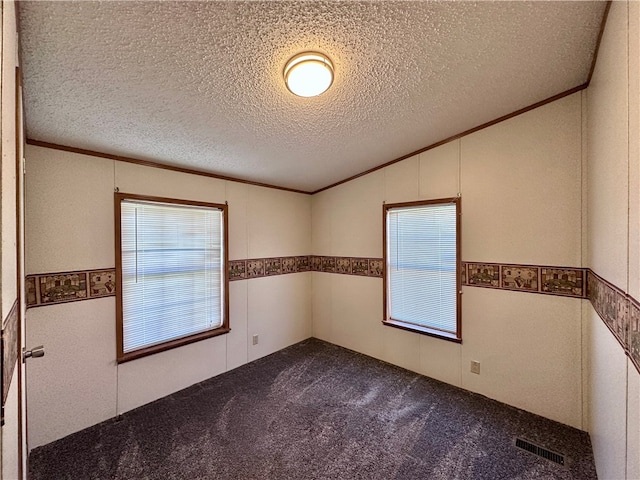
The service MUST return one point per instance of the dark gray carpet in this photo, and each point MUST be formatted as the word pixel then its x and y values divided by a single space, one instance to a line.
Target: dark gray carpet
pixel 317 411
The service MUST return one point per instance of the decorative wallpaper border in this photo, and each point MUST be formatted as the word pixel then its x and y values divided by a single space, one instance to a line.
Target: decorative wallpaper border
pixel 563 281
pixel 265 267
pixel 619 311
pixel 53 288
pixel 10 350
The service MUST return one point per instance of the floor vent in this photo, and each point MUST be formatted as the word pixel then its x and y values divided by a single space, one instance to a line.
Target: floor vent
pixel 540 451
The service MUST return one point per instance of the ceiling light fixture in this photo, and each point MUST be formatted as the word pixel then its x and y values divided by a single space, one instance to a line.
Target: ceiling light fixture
pixel 308 74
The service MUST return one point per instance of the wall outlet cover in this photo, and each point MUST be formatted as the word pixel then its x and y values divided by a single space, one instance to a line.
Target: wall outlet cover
pixel 475 367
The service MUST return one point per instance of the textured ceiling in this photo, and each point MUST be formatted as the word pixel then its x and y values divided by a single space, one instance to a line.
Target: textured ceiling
pixel 200 85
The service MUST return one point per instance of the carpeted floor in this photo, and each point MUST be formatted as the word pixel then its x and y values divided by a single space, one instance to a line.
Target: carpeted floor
pixel 317 411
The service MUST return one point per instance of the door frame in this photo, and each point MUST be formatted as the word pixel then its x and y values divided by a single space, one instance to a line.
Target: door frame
pixel 20 199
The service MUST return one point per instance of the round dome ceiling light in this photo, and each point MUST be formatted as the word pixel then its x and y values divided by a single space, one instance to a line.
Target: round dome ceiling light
pixel 308 74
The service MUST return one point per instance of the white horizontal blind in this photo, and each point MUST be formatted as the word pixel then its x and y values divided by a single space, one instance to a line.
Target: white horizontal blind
pixel 421 265
pixel 172 282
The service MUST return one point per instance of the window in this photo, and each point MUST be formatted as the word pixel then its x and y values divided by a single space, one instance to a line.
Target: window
pixel 421 258
pixel 171 269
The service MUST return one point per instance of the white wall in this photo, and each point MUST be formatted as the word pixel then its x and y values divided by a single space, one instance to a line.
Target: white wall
pixel 521 203
pixel 70 226
pixel 613 140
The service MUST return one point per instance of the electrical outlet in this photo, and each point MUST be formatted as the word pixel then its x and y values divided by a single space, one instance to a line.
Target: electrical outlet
pixel 255 340
pixel 475 367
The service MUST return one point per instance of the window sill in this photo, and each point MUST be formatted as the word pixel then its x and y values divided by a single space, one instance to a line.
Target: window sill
pixel 451 337
pixel 178 342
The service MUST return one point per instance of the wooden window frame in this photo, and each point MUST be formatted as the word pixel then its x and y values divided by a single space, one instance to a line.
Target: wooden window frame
pixel 432 332
pixel 178 342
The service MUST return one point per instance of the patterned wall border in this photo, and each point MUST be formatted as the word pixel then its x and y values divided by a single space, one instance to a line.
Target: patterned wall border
pixel 619 311
pixel 53 288
pixel 361 266
pixel 10 347
pixel 265 267
pixel 563 281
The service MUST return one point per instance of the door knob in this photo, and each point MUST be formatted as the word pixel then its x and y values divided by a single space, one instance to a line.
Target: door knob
pixel 34 352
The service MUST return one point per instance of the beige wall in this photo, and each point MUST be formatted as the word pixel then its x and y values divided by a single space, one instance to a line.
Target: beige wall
pixel 70 226
pixel 613 142
pixel 9 259
pixel 521 193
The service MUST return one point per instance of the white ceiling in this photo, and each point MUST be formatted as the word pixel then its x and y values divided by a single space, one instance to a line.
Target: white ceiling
pixel 200 85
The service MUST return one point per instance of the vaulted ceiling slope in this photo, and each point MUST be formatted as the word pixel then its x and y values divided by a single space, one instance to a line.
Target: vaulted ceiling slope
pixel 199 84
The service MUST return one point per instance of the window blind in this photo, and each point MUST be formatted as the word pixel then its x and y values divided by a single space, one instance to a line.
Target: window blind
pixel 172 278
pixel 421 265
